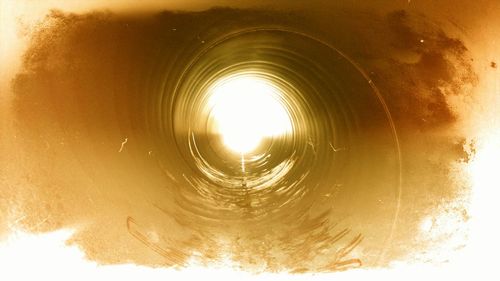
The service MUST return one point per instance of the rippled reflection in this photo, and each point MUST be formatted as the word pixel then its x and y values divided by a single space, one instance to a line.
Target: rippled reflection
pixel 277 140
pixel 316 169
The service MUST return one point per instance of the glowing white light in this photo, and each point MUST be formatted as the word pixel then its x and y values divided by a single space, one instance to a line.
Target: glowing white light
pixel 246 110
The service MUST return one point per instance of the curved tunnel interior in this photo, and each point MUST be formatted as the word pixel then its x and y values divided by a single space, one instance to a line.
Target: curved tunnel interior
pixel 121 119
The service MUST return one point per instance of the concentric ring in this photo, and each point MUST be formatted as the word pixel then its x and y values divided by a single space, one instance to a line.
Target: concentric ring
pixel 332 105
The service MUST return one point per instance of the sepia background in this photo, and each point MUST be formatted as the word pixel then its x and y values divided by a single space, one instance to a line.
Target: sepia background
pixel 94 171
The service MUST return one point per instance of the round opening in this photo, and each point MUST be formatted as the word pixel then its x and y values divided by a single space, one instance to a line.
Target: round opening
pixel 245 110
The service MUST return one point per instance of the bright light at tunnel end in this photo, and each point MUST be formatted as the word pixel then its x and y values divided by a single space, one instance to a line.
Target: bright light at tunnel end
pixel 247 109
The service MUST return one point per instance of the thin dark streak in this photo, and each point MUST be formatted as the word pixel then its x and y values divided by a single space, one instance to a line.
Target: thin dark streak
pixel 169 254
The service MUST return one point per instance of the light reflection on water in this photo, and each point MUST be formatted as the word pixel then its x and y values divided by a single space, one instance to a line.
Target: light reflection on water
pixel 313 169
pixel 111 113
